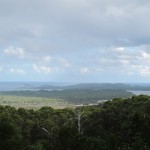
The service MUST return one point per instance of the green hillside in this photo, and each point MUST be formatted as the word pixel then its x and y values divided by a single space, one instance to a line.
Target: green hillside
pixel 75 96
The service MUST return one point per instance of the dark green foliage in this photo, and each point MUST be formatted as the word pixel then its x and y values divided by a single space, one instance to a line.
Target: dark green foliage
pixel 120 124
pixel 74 96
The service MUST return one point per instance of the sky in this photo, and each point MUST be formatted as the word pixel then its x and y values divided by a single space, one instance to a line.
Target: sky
pixel 75 40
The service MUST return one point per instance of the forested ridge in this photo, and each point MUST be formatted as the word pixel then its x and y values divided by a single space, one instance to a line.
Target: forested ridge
pixel 74 96
pixel 120 124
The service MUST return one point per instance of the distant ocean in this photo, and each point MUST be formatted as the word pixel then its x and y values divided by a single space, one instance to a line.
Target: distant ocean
pixel 13 86
pixel 141 92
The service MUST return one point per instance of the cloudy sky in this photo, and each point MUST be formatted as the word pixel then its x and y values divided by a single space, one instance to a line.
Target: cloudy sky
pixel 75 40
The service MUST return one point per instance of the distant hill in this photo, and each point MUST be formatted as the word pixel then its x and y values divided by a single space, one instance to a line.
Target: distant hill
pixel 76 96
pixel 80 93
pixel 99 86
pixel 96 86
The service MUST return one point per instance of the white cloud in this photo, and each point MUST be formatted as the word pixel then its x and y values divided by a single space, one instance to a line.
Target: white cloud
pixel 84 70
pixel 1 68
pixel 16 70
pixel 125 62
pixel 145 71
pixel 63 62
pixel 46 69
pixel 17 52
pixel 42 69
pixel 145 55
pixel 74 24
pixel 46 58
pixel 120 49
pixel 109 36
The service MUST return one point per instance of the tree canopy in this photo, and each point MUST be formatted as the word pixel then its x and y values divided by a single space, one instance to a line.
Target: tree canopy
pixel 120 124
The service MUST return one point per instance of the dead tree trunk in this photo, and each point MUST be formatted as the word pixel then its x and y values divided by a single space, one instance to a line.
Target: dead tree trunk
pixel 79 117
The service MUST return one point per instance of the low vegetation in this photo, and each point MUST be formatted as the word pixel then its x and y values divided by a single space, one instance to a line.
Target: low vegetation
pixel 120 124
pixel 73 96
pixel 32 102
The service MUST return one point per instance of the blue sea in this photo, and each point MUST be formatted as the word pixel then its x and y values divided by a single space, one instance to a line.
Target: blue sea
pixel 141 92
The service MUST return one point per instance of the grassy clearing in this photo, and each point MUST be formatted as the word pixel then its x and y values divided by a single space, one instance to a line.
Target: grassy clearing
pixel 32 102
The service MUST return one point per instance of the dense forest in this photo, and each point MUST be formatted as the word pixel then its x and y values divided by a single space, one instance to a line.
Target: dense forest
pixel 119 124
pixel 74 96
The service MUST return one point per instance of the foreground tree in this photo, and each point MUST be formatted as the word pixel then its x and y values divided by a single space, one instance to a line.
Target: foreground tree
pixel 120 124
